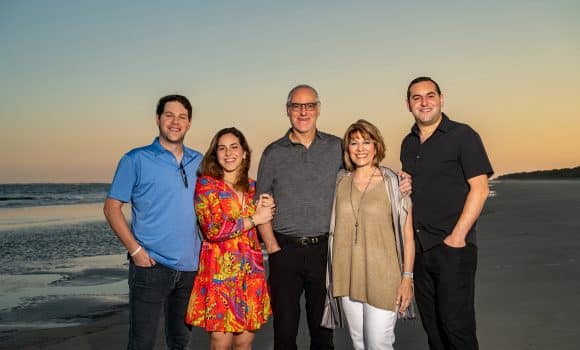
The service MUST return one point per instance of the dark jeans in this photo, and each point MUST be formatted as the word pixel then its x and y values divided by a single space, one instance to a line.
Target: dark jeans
pixel 153 290
pixel 295 269
pixel 445 294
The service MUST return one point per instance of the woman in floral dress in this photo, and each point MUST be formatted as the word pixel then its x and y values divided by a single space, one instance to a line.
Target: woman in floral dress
pixel 230 296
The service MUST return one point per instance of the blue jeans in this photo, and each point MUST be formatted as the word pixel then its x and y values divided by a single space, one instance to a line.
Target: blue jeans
pixel 153 290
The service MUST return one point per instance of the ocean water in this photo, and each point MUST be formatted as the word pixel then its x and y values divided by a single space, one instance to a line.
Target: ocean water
pixel 26 250
pixel 41 224
pixel 51 222
pixel 59 259
pixel 30 195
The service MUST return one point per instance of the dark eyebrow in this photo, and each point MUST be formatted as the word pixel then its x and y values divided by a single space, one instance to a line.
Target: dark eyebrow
pixel 233 144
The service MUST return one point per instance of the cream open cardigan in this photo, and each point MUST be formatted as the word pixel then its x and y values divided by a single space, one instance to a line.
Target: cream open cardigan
pixel 400 205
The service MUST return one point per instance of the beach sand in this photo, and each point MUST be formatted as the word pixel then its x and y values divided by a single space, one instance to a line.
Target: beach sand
pixel 527 295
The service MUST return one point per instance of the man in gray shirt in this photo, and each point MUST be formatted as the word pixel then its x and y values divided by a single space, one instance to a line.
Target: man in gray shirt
pixel 299 170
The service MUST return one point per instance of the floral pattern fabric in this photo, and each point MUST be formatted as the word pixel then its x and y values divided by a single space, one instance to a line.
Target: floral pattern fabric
pixel 230 293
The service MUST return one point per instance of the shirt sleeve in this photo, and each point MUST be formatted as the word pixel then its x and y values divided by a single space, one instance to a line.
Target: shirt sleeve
pixel 265 179
pixel 217 219
pixel 124 180
pixel 404 156
pixel 473 157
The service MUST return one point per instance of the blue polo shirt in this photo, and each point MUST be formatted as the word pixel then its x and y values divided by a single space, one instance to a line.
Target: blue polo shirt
pixel 163 216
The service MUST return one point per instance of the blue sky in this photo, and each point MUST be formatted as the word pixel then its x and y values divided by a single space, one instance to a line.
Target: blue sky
pixel 80 79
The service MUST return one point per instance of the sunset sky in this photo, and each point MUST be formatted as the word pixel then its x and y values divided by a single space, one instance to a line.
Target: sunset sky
pixel 79 80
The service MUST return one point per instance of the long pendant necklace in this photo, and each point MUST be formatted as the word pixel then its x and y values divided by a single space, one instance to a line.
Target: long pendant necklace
pixel 356 212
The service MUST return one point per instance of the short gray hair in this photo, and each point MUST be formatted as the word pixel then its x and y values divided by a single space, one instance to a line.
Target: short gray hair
pixel 298 87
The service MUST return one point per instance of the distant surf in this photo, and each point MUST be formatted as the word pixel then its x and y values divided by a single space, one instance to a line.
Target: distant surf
pixel 32 195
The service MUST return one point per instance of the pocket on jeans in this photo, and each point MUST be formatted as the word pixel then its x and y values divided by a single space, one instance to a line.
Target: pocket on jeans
pixel 457 249
pixel 273 256
pixel 465 258
pixel 144 275
pixel 276 259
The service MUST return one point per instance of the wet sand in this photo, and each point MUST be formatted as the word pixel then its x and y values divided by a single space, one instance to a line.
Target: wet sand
pixel 17 218
pixel 527 294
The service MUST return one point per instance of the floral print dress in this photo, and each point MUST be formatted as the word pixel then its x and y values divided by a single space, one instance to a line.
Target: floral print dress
pixel 230 293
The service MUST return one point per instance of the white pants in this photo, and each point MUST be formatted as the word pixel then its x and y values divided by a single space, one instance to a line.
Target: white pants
pixel 370 328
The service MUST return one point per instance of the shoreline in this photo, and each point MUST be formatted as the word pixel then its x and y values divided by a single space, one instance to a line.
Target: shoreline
pixel 525 289
pixel 53 215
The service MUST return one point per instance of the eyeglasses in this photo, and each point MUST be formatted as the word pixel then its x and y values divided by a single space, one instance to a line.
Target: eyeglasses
pixel 310 106
pixel 183 175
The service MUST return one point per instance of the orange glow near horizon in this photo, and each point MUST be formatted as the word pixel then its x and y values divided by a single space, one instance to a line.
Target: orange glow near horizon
pixel 79 84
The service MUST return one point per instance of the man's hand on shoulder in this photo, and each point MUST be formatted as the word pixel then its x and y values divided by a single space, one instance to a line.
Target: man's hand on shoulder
pixel 405 183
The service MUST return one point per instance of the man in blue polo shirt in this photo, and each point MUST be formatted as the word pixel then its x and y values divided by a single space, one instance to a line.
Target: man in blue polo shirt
pixel 163 242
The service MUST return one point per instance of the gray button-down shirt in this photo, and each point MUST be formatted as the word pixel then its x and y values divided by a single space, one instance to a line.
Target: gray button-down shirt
pixel 302 182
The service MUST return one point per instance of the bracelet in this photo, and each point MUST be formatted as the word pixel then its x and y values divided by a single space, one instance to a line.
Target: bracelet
pixel 136 251
pixel 252 222
pixel 408 274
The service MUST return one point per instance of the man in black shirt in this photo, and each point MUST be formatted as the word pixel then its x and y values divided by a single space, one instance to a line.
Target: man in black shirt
pixel 450 170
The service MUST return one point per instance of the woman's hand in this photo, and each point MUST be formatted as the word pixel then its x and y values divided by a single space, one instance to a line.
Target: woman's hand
pixel 264 213
pixel 404 294
pixel 405 183
pixel 266 200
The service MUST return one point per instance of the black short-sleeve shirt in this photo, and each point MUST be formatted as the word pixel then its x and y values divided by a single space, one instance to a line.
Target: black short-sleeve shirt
pixel 440 168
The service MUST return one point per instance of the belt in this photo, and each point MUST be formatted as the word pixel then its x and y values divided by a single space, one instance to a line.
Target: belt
pixel 304 241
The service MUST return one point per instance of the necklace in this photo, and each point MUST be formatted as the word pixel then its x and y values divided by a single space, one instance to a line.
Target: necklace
pixel 356 212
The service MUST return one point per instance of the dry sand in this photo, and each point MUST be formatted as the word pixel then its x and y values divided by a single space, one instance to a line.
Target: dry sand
pixel 528 289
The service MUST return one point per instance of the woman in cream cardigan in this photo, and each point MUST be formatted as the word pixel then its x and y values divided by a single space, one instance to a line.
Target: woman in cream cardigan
pixel 373 247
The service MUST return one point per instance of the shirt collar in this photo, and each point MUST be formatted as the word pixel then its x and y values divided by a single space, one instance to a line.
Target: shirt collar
pixel 158 149
pixel 156 146
pixel 444 125
pixel 288 142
